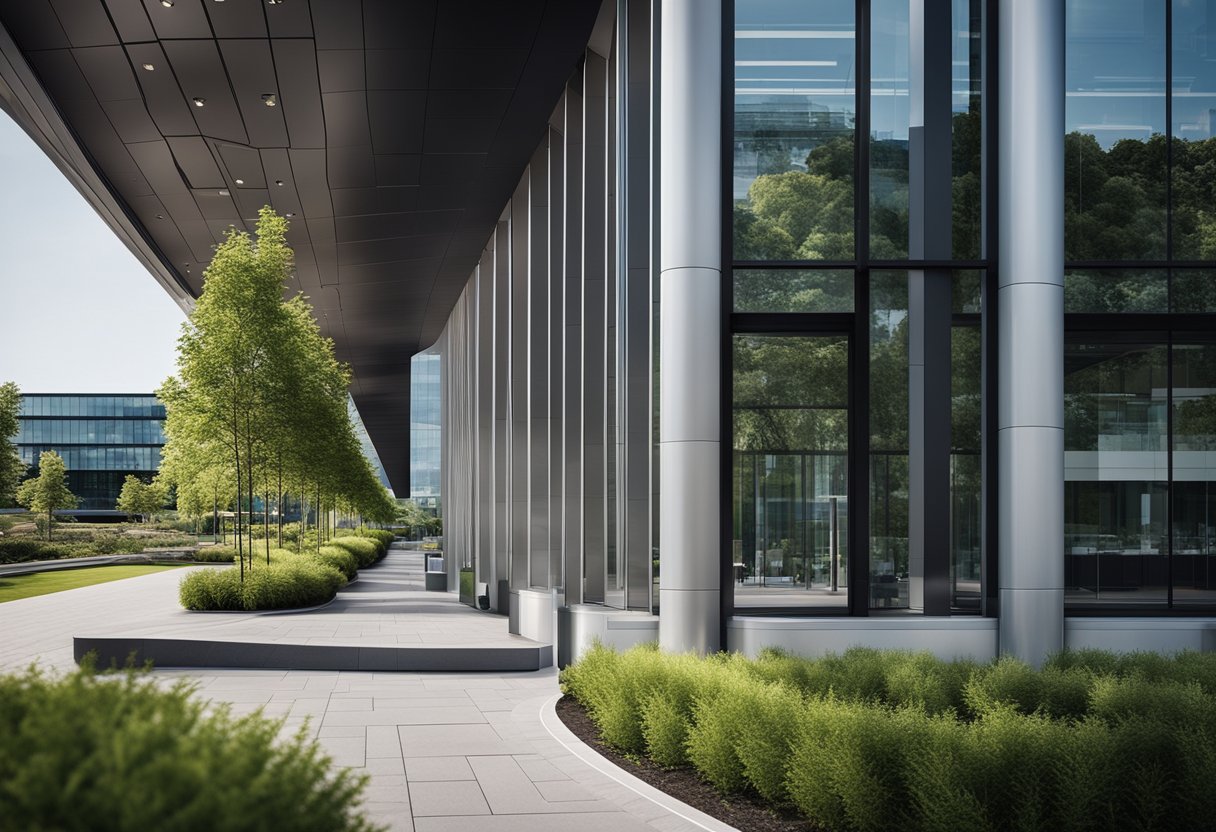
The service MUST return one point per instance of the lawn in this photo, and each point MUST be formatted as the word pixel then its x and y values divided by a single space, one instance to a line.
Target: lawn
pixel 44 583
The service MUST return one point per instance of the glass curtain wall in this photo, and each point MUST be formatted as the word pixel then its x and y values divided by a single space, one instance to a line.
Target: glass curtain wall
pixel 1139 296
pixel 857 267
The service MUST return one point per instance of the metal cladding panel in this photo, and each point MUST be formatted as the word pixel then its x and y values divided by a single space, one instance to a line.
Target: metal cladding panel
pixel 401 127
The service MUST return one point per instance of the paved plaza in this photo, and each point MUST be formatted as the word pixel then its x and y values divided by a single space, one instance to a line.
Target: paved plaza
pixel 444 751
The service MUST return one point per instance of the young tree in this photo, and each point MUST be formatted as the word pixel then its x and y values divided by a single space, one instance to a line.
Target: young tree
pixel 131 499
pixel 48 492
pixel 11 468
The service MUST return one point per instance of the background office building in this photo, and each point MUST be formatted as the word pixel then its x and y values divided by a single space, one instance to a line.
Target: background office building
pixel 774 322
pixel 426 428
pixel 101 437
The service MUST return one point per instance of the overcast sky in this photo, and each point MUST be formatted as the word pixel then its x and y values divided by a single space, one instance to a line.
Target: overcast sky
pixel 78 313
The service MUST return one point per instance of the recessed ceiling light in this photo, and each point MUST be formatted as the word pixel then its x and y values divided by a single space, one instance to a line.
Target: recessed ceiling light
pixel 268 99
pixel 240 181
pixel 224 192
pixel 273 2
pixel 290 214
pixel 198 102
pixel 149 67
pixel 168 4
pixel 160 216
pixel 279 182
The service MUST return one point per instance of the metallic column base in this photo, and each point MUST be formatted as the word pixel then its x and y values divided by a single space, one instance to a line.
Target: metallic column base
pixel 1032 624
pixel 688 621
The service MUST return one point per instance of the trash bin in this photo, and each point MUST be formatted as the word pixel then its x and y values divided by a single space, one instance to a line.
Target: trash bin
pixel 436 576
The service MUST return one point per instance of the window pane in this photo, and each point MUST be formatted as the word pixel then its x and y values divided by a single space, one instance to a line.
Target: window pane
pixel 1193 290
pixel 790 481
pixel 794 121
pixel 889 439
pixel 1114 151
pixel 1115 472
pixel 1194 450
pixel 1194 101
pixel 1116 290
pixel 889 125
pixel 773 290
pixel 966 482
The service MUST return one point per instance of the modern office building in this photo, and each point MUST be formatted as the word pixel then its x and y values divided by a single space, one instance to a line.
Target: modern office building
pixel 761 322
pixel 426 428
pixel 101 437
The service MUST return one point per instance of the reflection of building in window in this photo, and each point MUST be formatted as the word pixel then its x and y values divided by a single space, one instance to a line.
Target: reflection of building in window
pixel 424 430
pixel 101 438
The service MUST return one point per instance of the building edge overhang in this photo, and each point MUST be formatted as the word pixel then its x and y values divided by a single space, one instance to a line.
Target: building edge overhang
pixel 23 98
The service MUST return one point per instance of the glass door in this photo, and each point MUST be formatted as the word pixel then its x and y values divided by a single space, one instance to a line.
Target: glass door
pixel 790 472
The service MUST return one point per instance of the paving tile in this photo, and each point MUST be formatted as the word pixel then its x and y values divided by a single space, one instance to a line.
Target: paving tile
pixel 559 791
pixel 345 751
pixel 509 791
pixel 455 740
pixel 352 704
pixel 590 822
pixel 422 769
pixel 539 769
pixel 382 741
pixel 447 797
pixel 465 715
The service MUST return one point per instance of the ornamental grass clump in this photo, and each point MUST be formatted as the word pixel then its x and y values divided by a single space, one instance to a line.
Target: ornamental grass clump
pixel 84 751
pixel 365 550
pixel 340 559
pixel 878 740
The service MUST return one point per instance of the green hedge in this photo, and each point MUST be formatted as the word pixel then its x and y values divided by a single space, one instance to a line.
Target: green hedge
pixel 876 740
pixel 215 554
pixel 23 549
pixel 340 559
pixel 366 550
pixel 297 581
pixel 89 752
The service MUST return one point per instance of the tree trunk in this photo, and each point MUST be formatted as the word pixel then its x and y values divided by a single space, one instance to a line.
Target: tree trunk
pixel 266 523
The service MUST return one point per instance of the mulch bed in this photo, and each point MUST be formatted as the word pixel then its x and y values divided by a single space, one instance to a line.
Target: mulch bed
pixel 745 812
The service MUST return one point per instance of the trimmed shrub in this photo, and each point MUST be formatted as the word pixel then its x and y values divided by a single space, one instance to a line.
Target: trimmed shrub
pixel 215 554
pixel 365 550
pixel 875 740
pixel 85 752
pixel 296 581
pixel 340 559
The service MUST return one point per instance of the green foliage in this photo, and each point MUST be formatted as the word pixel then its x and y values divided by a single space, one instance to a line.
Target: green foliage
pixel 143 498
pixel 87 752
pixel 341 559
pixel 876 740
pixel 290 581
pixel 48 492
pixel 11 467
pixel 365 549
pixel 215 554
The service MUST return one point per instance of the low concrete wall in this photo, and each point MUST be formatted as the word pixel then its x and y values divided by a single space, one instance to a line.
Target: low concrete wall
pixel 580 626
pixel 533 614
pixel 946 637
pixel 1124 635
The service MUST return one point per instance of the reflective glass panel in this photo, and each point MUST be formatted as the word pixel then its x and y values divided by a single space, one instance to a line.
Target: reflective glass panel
pixel 794 113
pixel 1115 471
pixel 1193 94
pixel 889 439
pixel 966 481
pixel 1194 452
pixel 1116 290
pixel 788 290
pixel 790 480
pixel 1115 149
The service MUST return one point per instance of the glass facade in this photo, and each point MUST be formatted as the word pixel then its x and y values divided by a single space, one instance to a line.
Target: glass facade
pixel 1139 386
pixel 856 339
pixel 102 438
pixel 425 429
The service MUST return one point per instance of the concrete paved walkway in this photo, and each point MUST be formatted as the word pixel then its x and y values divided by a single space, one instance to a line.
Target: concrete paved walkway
pixel 444 751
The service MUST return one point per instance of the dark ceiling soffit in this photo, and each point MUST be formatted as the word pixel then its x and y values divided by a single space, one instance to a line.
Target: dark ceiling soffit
pixel 27 103
pixel 549 42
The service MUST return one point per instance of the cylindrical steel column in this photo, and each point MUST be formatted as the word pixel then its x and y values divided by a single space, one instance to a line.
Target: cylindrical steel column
pixel 1031 329
pixel 690 284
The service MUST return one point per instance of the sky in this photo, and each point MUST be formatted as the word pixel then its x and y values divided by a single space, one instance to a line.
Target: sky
pixel 78 313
